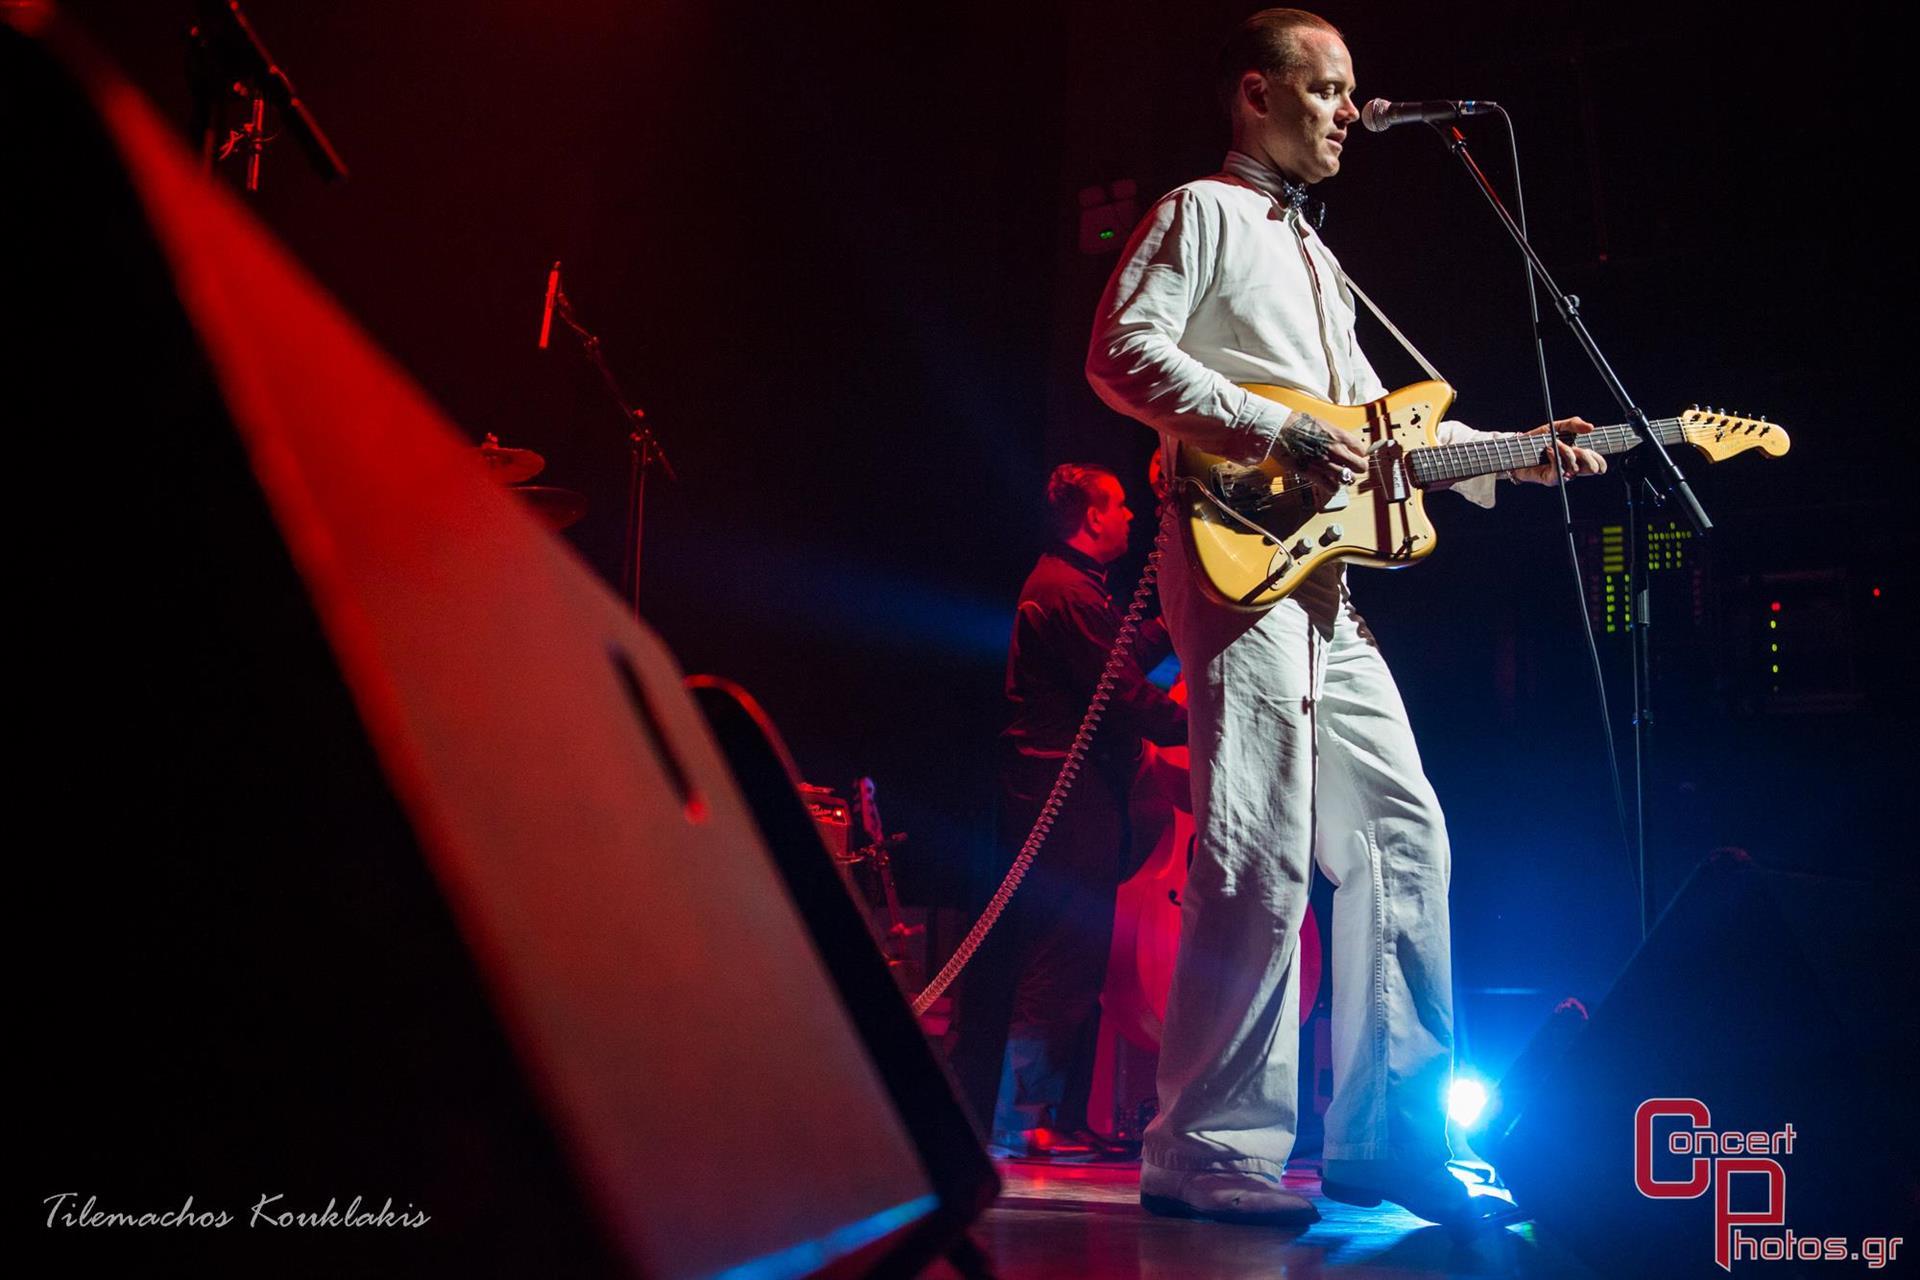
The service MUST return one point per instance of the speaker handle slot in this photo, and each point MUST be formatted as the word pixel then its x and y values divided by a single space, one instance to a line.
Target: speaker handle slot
pixel 693 805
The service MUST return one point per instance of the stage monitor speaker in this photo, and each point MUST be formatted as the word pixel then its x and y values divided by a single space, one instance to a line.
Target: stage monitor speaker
pixel 1744 1095
pixel 396 911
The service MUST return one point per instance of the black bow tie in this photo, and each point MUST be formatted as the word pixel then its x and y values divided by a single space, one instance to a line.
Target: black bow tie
pixel 1293 195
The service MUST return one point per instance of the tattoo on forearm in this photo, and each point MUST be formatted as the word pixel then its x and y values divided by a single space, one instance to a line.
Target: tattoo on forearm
pixel 1305 437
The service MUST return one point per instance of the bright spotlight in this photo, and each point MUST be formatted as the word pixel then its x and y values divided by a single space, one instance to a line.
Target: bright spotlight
pixel 1466 1099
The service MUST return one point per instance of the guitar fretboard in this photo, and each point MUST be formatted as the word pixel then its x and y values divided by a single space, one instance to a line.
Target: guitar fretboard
pixel 1442 464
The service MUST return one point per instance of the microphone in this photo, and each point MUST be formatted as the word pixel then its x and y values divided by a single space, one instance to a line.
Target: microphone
pixel 546 317
pixel 1380 114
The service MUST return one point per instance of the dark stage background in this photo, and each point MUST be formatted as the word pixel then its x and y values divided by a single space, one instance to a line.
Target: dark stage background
pixel 833 251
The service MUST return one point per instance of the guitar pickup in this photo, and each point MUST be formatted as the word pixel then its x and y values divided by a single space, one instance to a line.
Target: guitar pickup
pixel 1235 482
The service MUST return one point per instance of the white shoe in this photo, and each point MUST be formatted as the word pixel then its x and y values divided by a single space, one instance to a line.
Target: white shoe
pixel 1224 1195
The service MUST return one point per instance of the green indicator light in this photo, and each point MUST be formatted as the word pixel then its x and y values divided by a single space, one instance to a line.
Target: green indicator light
pixel 1107 234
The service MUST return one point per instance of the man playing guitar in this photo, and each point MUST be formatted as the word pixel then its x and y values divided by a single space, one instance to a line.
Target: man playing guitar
pixel 1300 743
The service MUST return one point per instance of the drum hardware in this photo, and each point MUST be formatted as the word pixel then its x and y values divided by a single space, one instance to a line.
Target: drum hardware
pixel 554 507
pixel 509 466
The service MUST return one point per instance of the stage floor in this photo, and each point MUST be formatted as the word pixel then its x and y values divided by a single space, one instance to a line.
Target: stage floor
pixel 1086 1221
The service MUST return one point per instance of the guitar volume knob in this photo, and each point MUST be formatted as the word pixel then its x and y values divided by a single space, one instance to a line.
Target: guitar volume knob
pixel 1331 534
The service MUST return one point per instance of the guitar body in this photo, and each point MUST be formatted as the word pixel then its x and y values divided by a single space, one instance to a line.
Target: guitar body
pixel 1254 532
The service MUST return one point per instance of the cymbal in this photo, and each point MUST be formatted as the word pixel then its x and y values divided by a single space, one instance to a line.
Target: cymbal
pixel 509 466
pixel 556 508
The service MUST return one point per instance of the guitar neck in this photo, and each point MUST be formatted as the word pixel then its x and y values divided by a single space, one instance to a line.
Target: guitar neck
pixel 1445 463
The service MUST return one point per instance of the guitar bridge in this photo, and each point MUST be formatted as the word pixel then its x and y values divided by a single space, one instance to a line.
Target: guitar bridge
pixel 1389 466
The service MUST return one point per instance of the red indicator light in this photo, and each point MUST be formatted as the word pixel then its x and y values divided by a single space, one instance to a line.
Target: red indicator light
pixel 1876 593
pixel 1776 606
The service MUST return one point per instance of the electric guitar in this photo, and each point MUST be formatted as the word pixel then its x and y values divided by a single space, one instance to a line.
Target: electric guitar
pixel 1255 530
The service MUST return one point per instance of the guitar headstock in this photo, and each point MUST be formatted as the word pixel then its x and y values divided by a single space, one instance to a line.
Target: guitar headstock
pixel 1721 435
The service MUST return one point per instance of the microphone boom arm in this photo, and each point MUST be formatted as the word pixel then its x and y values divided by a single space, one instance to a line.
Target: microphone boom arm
pixel 646 449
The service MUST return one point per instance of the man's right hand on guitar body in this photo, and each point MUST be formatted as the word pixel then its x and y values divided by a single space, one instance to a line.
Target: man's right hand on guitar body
pixel 1330 456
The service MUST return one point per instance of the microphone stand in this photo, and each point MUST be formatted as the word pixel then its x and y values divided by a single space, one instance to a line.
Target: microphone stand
pixel 645 448
pixel 226 58
pixel 1649 465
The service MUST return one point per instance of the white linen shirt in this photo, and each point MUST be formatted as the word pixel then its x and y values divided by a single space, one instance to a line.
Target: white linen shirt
pixel 1221 285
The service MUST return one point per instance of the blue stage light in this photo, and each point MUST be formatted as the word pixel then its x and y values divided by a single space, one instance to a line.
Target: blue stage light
pixel 1466 1100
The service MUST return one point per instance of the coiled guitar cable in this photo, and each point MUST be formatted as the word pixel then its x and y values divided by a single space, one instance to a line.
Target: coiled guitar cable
pixel 1062 782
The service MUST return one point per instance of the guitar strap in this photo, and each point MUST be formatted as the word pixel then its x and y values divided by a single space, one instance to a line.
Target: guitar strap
pixel 1392 328
pixel 1293 215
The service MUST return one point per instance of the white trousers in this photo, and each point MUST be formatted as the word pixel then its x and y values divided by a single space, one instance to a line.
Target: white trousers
pixel 1301 749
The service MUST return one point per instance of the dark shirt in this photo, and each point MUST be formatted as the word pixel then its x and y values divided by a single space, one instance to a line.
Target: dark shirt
pixel 1061 636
